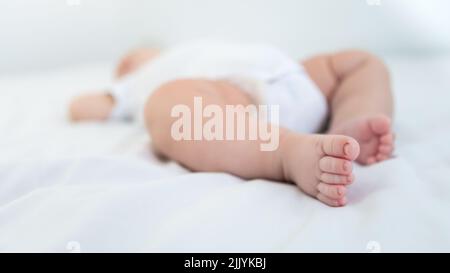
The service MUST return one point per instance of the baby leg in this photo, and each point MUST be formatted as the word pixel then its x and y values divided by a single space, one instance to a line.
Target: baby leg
pixel 320 165
pixel 358 89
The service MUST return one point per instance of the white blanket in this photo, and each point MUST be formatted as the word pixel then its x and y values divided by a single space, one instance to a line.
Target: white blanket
pixel 97 187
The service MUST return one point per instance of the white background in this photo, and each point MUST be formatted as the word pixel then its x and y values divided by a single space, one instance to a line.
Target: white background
pixel 46 34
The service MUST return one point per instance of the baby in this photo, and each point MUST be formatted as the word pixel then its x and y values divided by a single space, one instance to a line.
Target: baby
pixel 344 96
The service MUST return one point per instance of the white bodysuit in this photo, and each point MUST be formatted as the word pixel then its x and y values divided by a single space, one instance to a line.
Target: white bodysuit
pixel 265 73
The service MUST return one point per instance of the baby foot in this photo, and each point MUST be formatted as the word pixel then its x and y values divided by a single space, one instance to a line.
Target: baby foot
pixel 374 135
pixel 320 165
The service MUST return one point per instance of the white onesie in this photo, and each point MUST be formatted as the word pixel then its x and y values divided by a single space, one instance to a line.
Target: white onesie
pixel 265 73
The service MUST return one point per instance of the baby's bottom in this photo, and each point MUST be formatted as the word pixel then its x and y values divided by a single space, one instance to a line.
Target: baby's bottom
pixel 357 87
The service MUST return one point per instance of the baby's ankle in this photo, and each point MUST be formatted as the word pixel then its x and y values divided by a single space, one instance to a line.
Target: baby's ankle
pixel 288 140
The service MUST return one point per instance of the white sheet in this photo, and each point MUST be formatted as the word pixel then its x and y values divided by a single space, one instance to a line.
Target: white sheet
pixel 96 187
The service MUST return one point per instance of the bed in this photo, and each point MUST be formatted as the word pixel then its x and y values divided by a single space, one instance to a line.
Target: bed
pixel 98 188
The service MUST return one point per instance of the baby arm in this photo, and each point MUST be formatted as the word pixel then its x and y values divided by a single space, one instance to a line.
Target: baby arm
pixel 92 107
pixel 98 106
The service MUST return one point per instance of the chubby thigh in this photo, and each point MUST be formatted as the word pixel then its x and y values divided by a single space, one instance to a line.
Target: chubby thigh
pixel 166 107
pixel 191 94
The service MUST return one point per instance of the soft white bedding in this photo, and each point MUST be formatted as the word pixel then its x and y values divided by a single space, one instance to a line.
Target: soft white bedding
pixel 97 187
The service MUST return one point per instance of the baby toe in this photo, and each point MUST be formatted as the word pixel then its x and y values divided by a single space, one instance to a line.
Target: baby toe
pixel 336 179
pixel 332 202
pixel 332 191
pixel 382 157
pixel 387 139
pixel 385 149
pixel 340 146
pixel 380 125
pixel 371 160
pixel 335 165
